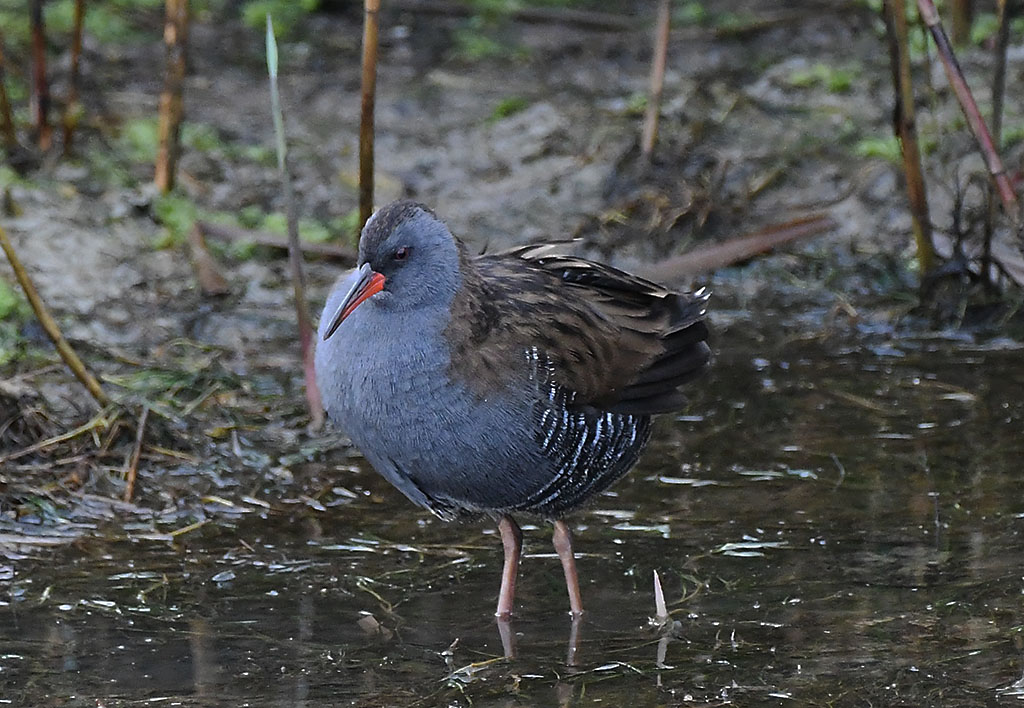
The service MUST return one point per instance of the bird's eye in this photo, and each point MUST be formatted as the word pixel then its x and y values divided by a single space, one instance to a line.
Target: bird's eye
pixel 401 253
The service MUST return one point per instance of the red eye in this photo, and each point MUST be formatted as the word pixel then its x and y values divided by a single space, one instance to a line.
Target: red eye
pixel 401 253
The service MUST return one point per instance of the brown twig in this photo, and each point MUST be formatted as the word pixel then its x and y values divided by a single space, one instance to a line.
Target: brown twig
pixel 272 240
pixel 710 258
pixel 48 323
pixel 133 465
pixel 955 76
pixel 658 60
pixel 172 106
pixel 371 9
pixel 905 127
pixel 40 99
pixel 6 117
pixel 72 109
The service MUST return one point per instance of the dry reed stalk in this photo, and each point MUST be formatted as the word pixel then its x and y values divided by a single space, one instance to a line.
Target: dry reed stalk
pixel 172 107
pixel 371 9
pixel 52 330
pixel 905 127
pixel 658 61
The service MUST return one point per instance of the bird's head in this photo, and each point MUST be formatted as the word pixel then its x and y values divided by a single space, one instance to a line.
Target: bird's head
pixel 407 259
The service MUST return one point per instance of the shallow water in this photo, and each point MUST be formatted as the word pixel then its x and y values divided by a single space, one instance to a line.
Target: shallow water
pixel 834 524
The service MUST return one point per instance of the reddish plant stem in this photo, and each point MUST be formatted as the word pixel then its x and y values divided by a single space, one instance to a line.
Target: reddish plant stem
pixel 172 107
pixel 298 274
pixel 72 109
pixel 658 61
pixel 956 79
pixel 305 323
pixel 40 99
pixel 369 88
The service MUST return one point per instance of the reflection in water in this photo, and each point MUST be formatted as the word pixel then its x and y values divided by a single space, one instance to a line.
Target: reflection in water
pixel 826 524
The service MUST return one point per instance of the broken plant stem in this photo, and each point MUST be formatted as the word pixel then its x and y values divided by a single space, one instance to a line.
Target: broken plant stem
pixel 660 608
pixel 298 275
pixel 661 34
pixel 371 10
pixel 955 75
pixel 710 258
pixel 48 323
pixel 133 464
pixel 905 127
pixel 211 281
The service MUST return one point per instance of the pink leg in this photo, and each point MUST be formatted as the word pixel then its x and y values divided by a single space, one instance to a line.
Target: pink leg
pixel 574 641
pixel 512 540
pixel 508 637
pixel 562 541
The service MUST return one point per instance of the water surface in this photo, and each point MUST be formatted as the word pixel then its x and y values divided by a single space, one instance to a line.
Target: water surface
pixel 834 524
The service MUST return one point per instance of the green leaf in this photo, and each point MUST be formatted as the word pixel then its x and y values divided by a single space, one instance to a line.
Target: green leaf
pixel 885 148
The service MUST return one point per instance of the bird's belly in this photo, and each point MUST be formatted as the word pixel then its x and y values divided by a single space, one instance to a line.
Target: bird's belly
pixel 440 444
pixel 451 451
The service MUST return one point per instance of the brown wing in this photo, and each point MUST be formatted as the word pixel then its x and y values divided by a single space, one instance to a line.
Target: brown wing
pixel 620 343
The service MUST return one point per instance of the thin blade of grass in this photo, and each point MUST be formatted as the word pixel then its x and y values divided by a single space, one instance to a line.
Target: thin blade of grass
pixel 298 275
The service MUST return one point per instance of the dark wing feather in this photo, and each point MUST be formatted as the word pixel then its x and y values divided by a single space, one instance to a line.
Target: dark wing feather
pixel 621 343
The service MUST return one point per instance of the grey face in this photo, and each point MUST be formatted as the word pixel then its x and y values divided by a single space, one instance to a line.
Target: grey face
pixel 416 255
pixel 407 260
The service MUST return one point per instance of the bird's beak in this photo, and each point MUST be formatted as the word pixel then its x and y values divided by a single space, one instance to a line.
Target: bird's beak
pixel 367 283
